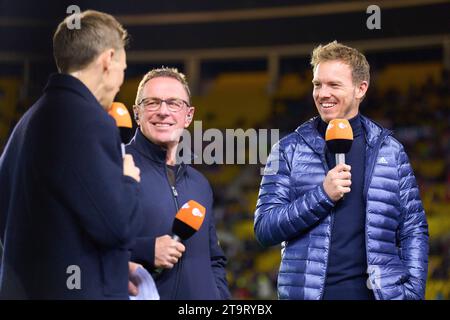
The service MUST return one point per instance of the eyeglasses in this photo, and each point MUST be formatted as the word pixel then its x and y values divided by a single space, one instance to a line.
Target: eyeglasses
pixel 173 104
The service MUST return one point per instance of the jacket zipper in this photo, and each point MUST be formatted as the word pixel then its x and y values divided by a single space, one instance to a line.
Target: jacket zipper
pixel 329 250
pixel 376 291
pixel 180 262
pixel 324 162
pixel 177 207
pixel 366 185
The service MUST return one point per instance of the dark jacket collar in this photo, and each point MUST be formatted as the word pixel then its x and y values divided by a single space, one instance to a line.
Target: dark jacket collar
pixel 68 82
pixel 308 131
pixel 153 152
pixel 147 148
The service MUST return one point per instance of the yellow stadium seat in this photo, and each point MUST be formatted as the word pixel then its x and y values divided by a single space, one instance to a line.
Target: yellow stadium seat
pixel 9 87
pixel 244 230
pixel 268 261
pixel 292 86
pixel 235 100
pixel 402 76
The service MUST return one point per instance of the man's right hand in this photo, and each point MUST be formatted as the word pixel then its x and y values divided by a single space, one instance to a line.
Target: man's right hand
pixel 130 169
pixel 167 252
pixel 132 287
pixel 338 182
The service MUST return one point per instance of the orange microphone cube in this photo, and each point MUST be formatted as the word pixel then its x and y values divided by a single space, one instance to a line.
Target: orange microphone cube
pixel 188 219
pixel 120 113
pixel 339 136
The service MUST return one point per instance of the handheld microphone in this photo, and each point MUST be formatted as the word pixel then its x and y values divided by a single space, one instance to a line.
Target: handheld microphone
pixel 339 138
pixel 123 120
pixel 188 220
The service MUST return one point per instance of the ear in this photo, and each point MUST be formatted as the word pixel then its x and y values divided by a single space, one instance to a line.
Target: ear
pixel 189 117
pixel 136 114
pixel 361 90
pixel 106 58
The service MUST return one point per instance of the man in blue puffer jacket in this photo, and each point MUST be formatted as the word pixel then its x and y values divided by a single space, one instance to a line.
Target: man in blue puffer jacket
pixel 370 244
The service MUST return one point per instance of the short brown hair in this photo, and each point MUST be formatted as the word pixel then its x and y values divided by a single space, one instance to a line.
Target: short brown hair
pixel 350 56
pixel 74 48
pixel 160 73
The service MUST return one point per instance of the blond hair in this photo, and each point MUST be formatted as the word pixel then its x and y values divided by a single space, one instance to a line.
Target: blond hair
pixel 162 72
pixel 350 56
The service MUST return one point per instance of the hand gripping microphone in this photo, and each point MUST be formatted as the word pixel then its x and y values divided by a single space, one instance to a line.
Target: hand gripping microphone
pixel 123 120
pixel 339 138
pixel 188 220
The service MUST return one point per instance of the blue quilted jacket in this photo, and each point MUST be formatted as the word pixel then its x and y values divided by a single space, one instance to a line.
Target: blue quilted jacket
pixel 293 209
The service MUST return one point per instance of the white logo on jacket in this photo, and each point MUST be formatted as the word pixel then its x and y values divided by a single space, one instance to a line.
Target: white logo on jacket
pixel 382 160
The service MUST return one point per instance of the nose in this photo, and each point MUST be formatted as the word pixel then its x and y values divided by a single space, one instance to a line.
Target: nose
pixel 323 92
pixel 163 109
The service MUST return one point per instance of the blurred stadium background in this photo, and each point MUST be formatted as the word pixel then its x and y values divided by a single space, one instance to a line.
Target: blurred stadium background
pixel 248 66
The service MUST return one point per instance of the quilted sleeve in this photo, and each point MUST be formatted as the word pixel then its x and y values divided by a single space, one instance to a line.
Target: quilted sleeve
pixel 278 217
pixel 413 231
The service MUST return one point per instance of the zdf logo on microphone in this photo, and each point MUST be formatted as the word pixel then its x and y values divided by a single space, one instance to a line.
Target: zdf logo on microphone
pixel 192 213
pixel 194 210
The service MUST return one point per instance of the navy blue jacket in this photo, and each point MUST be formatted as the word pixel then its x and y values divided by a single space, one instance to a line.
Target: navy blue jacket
pixel 65 201
pixel 294 209
pixel 200 273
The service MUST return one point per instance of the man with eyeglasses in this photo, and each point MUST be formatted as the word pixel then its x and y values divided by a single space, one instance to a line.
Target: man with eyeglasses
pixel 194 269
